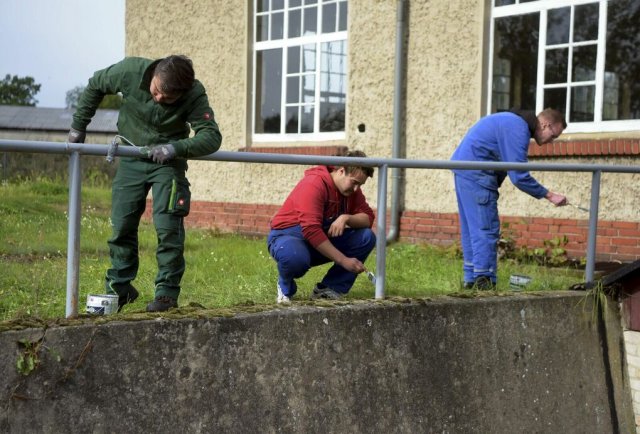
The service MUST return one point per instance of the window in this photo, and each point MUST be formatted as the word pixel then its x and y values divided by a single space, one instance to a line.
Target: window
pixel 300 75
pixel 578 56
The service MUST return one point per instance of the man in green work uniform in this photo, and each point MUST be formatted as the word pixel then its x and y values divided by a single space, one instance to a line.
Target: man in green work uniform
pixel 162 103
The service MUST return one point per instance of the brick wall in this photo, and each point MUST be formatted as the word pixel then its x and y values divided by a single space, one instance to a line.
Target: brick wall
pixel 583 148
pixel 616 240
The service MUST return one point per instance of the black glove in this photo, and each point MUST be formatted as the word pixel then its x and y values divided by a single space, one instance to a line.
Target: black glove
pixel 162 153
pixel 76 136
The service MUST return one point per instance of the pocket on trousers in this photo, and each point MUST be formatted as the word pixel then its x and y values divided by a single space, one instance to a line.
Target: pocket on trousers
pixel 483 199
pixel 180 198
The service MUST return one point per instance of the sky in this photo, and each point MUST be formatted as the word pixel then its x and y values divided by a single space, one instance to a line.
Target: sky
pixel 60 43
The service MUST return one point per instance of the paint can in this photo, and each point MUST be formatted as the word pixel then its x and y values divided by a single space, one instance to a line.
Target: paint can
pixel 102 304
pixel 518 282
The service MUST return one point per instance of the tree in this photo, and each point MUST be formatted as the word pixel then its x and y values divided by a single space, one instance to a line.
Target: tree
pixel 18 90
pixel 72 97
pixel 108 102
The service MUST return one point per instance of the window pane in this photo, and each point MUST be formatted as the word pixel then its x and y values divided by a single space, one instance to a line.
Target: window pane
pixel 342 24
pixel 584 63
pixel 263 5
pixel 293 60
pixel 277 26
pixel 262 32
pixel 293 90
pixel 309 57
pixel 306 123
pixel 622 63
pixel 558 26
pixel 295 23
pixel 309 88
pixel 505 2
pixel 292 120
pixel 555 68
pixel 268 90
pixel 329 18
pixel 585 23
pixel 611 97
pixel 556 98
pixel 515 51
pixel 277 4
pixel 294 3
pixel 310 21
pixel 582 98
pixel 333 86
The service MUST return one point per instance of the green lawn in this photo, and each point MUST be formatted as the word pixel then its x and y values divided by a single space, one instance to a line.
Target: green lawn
pixel 222 270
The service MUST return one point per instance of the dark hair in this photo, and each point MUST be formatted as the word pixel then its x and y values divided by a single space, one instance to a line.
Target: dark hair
pixel 364 169
pixel 175 73
pixel 554 116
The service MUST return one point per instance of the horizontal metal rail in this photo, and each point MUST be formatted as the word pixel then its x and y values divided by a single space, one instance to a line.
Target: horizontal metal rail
pixel 76 149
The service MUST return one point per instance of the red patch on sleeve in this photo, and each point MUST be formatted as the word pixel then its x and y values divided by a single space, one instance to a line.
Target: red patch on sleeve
pixel 206 116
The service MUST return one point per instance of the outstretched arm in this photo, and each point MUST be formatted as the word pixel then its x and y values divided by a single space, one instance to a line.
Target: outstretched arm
pixel 556 199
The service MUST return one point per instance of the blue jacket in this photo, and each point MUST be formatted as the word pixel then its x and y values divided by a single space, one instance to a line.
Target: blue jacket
pixel 503 137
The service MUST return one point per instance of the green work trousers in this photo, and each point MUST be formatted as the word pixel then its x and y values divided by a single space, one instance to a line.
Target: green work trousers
pixel 171 201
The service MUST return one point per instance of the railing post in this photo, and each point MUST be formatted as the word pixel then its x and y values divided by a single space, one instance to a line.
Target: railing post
pixel 73 241
pixel 381 239
pixel 593 227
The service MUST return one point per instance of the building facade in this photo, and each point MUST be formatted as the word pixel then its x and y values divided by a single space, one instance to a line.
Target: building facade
pixel 318 76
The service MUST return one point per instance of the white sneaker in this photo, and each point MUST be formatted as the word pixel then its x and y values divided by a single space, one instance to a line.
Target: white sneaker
pixel 281 297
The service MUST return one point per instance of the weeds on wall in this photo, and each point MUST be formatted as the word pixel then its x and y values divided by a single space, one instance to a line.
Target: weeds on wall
pixel 553 252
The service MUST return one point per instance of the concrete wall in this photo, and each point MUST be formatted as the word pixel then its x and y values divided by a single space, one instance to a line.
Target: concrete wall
pixel 522 363
pixel 632 347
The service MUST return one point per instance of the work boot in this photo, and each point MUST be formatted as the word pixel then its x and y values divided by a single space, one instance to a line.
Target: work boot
pixel 126 293
pixel 321 291
pixel 162 303
pixel 483 283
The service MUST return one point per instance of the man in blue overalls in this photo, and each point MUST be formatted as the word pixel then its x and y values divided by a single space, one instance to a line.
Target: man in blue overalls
pixel 498 137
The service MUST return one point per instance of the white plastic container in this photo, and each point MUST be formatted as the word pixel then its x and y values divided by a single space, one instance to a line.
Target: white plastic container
pixel 102 304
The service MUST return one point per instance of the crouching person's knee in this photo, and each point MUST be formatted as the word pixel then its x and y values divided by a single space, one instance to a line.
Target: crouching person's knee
pixel 368 239
pixel 294 264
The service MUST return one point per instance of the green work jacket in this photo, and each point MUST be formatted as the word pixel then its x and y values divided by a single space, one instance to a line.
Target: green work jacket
pixel 144 122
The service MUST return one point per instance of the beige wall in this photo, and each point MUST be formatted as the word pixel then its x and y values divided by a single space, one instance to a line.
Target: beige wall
pixel 444 97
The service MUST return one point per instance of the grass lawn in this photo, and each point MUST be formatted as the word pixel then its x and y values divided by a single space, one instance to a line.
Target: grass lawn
pixel 222 270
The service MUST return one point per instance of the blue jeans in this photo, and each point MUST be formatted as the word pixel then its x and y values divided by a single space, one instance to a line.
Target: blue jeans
pixel 479 229
pixel 295 256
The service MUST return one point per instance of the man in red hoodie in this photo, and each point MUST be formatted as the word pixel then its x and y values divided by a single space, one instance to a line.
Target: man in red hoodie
pixel 326 218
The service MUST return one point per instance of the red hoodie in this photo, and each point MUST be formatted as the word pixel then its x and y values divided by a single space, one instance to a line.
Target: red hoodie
pixel 316 201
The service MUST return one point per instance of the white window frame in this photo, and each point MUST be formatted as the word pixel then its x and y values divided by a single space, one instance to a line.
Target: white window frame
pixel 318 39
pixel 543 6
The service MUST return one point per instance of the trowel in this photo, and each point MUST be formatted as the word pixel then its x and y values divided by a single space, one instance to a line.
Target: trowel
pixel 370 276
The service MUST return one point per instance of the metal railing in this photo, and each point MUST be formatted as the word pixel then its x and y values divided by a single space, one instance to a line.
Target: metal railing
pixel 75 150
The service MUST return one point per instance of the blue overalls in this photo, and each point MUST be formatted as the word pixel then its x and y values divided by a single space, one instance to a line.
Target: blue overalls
pixel 497 137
